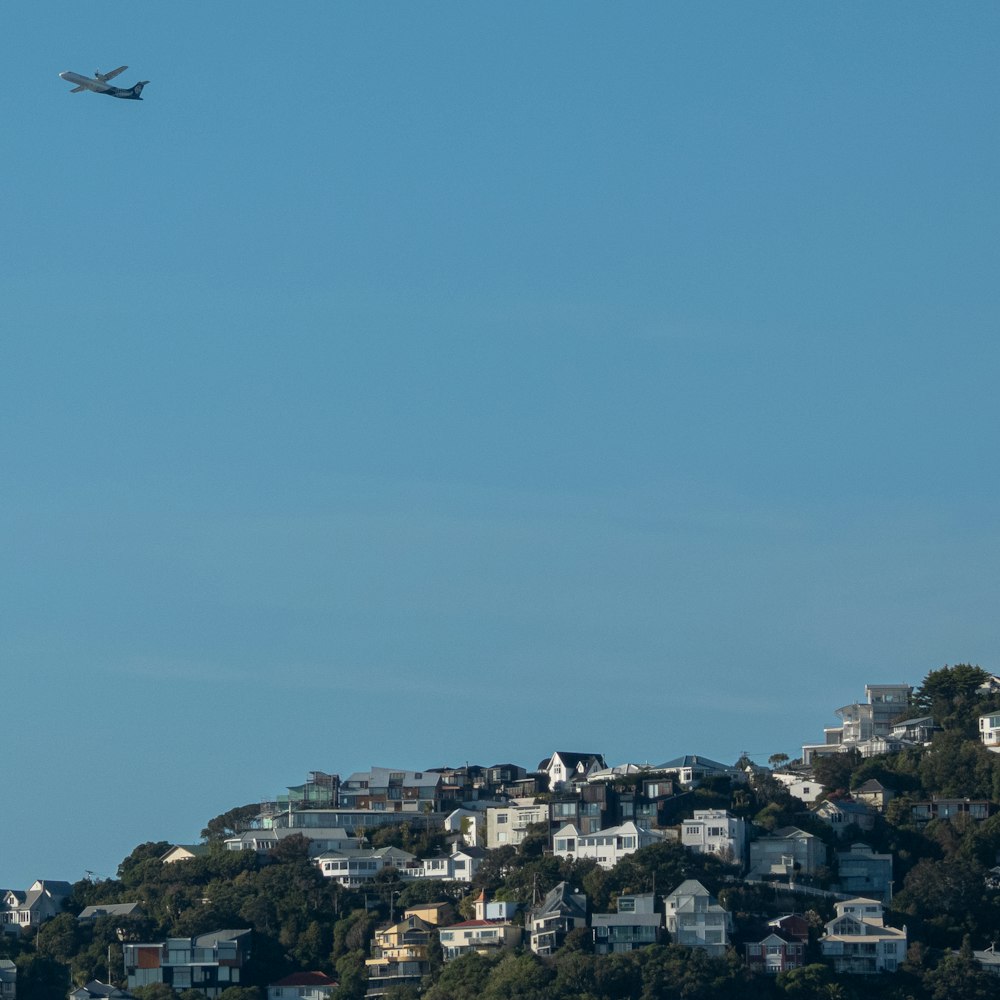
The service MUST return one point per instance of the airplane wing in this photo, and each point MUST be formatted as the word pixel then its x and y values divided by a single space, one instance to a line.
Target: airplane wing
pixel 84 83
pixel 113 73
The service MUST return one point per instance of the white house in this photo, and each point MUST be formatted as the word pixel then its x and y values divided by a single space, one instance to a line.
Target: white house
pixel 857 940
pixel 714 831
pixel 332 838
pixel 801 786
pixel 693 919
pixel 461 865
pixel 989 732
pixel 354 867
pixel 563 767
pixel 44 899
pixel 691 769
pixel 470 824
pixel 607 847
pixel 302 986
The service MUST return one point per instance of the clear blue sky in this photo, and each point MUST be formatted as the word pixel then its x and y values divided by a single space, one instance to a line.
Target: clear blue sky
pixel 407 384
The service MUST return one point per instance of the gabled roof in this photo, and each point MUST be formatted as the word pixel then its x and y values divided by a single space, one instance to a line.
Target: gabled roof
pixel 790 833
pixel 777 938
pixel 571 759
pixel 96 989
pixel 872 787
pixel 54 887
pixel 689 887
pixel 185 851
pixel 564 901
pixel 471 852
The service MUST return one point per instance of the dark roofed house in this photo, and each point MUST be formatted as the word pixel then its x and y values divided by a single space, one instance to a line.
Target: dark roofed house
pixel 562 910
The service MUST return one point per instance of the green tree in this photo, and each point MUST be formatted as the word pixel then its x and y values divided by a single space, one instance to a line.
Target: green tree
pixel 41 978
pixel 232 822
pixel 833 770
pixel 463 978
pixel 155 991
pixel 59 938
pixel 240 993
pixel 951 696
pixel 959 978
pixel 518 977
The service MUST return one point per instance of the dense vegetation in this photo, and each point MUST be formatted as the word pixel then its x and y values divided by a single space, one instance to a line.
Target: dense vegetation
pixel 302 920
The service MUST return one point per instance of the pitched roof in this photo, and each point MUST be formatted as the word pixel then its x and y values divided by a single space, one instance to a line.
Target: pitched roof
pixel 214 937
pixel 109 910
pixel 693 760
pixel 564 900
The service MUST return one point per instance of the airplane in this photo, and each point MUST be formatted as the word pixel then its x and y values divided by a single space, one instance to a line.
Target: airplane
pixel 99 84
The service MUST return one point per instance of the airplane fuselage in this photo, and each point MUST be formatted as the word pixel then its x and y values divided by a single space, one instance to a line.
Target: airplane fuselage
pixel 99 85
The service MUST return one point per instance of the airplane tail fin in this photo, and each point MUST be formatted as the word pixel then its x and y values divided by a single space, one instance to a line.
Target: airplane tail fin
pixel 137 89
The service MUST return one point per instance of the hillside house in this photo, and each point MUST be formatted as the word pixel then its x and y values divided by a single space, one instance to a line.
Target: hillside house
pixel 563 768
pixel 606 847
pixel 210 962
pixel 858 941
pixel 302 986
pixel 486 933
pixel 786 853
pixel 562 910
pixel 44 899
pixel 694 919
pixel 635 925
pixel 715 831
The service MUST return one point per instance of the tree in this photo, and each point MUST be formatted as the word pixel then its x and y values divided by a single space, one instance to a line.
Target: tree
pixel 155 991
pixel 777 759
pixel 352 976
pixel 518 977
pixel 833 770
pixel 951 694
pixel 41 978
pixel 59 938
pixel 959 978
pixel 231 823
pixel 463 978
